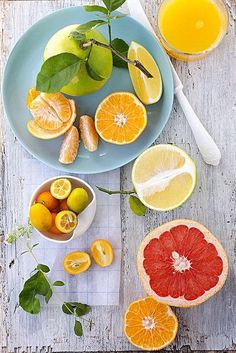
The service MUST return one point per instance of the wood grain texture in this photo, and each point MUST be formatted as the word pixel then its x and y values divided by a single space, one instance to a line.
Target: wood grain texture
pixel 210 85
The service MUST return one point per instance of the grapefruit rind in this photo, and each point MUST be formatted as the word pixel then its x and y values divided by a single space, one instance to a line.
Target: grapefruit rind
pixel 167 343
pixel 191 167
pixel 35 130
pixel 182 302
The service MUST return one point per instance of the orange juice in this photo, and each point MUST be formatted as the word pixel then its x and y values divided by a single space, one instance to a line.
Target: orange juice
pixel 191 26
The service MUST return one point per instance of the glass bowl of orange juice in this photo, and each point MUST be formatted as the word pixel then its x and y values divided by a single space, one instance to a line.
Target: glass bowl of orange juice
pixel 190 29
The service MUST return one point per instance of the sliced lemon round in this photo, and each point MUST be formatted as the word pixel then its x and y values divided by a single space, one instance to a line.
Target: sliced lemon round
pixel 149 90
pixel 61 188
pixel 76 262
pixel 164 177
pixel 66 221
pixel 102 252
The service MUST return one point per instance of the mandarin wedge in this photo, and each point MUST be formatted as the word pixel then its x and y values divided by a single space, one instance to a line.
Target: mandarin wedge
pixel 60 104
pixel 120 118
pixel 150 325
pixel 70 146
pixel 32 94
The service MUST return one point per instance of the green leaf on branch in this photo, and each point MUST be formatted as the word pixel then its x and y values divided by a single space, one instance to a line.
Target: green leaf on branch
pixel 89 26
pixel 137 206
pixel 112 5
pixel 116 17
pixel 78 329
pixel 80 37
pixel 122 47
pixel 92 73
pixel 95 8
pixel 57 71
pixel 58 284
pixel 67 308
pixel 48 296
pixel 82 309
pixel 43 268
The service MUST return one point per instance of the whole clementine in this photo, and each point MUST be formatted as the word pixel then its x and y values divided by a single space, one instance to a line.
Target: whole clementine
pixel 46 199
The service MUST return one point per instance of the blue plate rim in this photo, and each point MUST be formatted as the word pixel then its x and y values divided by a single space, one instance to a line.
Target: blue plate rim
pixel 62 168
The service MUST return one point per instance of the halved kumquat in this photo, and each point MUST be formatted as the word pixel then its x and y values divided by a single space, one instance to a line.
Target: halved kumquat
pixel 76 262
pixel 102 252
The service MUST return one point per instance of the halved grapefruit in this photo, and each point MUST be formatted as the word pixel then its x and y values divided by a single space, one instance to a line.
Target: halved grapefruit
pixel 182 264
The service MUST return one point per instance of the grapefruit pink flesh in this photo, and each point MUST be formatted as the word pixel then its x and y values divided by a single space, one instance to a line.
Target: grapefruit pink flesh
pixel 182 264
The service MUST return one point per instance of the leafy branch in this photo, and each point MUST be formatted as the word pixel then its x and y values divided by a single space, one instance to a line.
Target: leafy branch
pixel 135 203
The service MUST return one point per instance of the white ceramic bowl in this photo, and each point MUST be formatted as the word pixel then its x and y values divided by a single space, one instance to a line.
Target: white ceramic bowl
pixel 85 218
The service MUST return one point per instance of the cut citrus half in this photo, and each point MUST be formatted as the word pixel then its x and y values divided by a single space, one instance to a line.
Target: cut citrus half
pixel 102 252
pixel 66 221
pixel 70 146
pixel 76 262
pixel 45 134
pixel 60 104
pixel 150 325
pixel 61 188
pixel 32 94
pixel 149 90
pixel 182 264
pixel 120 118
pixel 164 177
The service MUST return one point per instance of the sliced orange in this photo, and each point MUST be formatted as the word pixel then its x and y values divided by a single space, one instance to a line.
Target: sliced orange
pixel 61 188
pixel 32 94
pixel 120 118
pixel 60 104
pixel 76 262
pixel 44 134
pixel 70 146
pixel 102 252
pixel 150 325
pixel 66 221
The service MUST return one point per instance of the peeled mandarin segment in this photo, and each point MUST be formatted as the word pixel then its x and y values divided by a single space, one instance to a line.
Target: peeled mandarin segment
pixel 102 252
pixel 66 221
pixel 61 188
pixel 70 146
pixel 164 177
pixel 88 133
pixel 45 116
pixel 120 118
pixel 60 104
pixel 150 325
pixel 76 262
pixel 149 90
pixel 32 94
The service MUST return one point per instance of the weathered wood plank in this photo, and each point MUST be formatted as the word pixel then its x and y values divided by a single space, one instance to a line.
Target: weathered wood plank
pixel 210 85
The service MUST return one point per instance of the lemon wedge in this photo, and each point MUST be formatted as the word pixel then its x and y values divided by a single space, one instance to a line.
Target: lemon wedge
pixel 148 90
pixel 164 177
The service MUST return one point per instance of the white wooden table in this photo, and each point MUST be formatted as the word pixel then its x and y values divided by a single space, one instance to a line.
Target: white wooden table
pixel 211 86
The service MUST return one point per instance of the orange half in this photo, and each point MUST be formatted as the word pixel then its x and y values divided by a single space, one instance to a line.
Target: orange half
pixel 102 252
pixel 76 262
pixel 120 118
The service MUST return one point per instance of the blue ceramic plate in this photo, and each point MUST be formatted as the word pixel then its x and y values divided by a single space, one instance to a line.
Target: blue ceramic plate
pixel 20 74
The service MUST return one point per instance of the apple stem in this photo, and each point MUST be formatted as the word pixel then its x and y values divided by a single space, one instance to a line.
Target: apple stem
pixel 135 63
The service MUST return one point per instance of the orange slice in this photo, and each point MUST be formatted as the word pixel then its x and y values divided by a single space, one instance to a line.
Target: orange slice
pixel 44 134
pixel 150 325
pixel 120 118
pixel 76 262
pixel 102 252
pixel 32 94
pixel 60 104
pixel 66 221
pixel 70 146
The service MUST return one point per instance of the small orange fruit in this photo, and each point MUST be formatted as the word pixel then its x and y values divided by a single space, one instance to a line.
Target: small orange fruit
pixel 53 228
pixel 76 262
pixel 63 205
pixel 48 200
pixel 102 252
pixel 120 118
pixel 40 217
pixel 70 146
pixel 150 325
pixel 32 94
pixel 66 221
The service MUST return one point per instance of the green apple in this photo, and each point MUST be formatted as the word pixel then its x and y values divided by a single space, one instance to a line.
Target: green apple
pixel 100 60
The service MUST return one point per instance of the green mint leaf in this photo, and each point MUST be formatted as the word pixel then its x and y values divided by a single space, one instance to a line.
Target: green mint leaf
pixel 122 47
pixel 95 8
pixel 82 309
pixel 43 268
pixel 92 73
pixel 67 308
pixel 78 329
pixel 137 206
pixel 48 295
pixel 112 5
pixel 78 36
pixel 29 302
pixel 58 284
pixel 88 26
pixel 57 71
